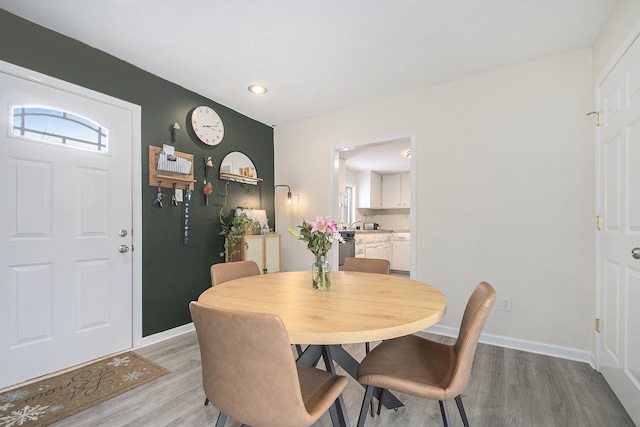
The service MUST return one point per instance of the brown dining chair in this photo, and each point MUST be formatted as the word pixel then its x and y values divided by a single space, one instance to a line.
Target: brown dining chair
pixel 367 265
pixel 250 375
pixel 425 368
pixel 225 271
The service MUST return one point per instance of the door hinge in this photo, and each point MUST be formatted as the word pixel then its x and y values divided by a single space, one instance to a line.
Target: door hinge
pixel 598 325
pixel 599 222
pixel 598 117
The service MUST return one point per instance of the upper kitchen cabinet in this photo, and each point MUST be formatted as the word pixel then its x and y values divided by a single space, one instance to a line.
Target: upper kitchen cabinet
pixel 396 190
pixel 369 190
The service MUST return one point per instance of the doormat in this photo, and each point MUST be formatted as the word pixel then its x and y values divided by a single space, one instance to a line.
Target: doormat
pixel 49 400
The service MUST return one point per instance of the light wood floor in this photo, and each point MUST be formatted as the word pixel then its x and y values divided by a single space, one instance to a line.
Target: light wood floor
pixel 507 388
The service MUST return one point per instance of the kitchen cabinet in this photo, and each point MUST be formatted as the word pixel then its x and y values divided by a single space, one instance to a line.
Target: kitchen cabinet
pixel 405 190
pixel 265 250
pixel 360 246
pixel 401 259
pixel 378 245
pixel 396 190
pixel 369 190
pixel 388 250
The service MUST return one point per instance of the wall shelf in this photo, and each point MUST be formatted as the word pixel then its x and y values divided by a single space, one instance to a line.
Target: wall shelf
pixel 240 178
pixel 168 179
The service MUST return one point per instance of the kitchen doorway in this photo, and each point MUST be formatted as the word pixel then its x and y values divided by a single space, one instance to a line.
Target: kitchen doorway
pixel 392 155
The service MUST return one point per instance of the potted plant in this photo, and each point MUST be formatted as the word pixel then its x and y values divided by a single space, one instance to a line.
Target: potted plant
pixel 233 229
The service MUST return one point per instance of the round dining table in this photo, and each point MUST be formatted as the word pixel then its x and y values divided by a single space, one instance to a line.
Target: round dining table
pixel 359 307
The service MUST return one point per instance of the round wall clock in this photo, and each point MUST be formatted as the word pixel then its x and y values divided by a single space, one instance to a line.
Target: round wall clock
pixel 207 125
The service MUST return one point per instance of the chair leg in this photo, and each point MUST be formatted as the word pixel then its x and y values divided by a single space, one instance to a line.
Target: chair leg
pixel 368 395
pixel 222 418
pixel 444 410
pixel 367 348
pixel 299 349
pixel 463 414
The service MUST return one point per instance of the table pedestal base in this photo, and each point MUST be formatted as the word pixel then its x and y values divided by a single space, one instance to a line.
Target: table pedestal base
pixel 331 353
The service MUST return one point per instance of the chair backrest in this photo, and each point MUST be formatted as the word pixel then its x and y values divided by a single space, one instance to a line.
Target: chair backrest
pixel 225 271
pixel 367 265
pixel 248 369
pixel 473 320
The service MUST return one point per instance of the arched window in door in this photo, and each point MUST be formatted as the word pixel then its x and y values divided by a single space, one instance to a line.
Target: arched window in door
pixel 60 127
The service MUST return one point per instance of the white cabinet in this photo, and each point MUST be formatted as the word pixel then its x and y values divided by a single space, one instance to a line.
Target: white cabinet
pixel 378 245
pixel 391 191
pixel 388 250
pixel 263 249
pixel 369 190
pixel 401 252
pixel 405 190
pixel 396 190
pixel 360 246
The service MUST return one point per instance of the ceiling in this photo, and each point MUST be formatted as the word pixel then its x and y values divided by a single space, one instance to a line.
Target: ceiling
pixel 383 157
pixel 319 56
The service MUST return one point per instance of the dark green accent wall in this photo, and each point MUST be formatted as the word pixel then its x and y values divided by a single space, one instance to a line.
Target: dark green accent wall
pixel 172 273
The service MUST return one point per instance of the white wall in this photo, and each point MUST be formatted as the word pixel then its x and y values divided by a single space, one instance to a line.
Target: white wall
pixel 504 168
pixel 623 21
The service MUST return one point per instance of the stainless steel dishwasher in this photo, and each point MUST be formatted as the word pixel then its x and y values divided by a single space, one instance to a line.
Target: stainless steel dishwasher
pixel 348 248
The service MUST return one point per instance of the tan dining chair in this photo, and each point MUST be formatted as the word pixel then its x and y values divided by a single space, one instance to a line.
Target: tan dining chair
pixel 225 271
pixel 425 368
pixel 250 375
pixel 367 265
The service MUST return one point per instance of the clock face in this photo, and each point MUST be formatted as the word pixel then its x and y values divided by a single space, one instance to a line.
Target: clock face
pixel 207 125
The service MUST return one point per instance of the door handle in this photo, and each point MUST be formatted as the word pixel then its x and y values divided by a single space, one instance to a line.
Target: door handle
pixel 635 252
pixel 123 248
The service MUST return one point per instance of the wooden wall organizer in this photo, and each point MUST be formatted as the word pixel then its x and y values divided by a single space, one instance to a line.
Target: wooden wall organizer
pixel 169 179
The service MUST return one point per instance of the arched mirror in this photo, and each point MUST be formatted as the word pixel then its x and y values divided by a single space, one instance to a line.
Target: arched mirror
pixel 236 166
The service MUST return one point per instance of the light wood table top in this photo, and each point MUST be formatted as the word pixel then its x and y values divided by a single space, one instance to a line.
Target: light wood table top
pixel 359 307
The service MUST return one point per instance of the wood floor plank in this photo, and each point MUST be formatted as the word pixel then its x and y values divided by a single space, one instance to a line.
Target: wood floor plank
pixel 507 388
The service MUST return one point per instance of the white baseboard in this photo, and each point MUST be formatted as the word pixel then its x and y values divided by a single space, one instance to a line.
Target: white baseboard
pixel 165 335
pixel 497 340
pixel 517 344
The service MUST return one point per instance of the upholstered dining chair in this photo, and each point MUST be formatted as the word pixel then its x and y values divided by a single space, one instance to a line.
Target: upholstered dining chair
pixel 425 368
pixel 367 265
pixel 225 271
pixel 249 372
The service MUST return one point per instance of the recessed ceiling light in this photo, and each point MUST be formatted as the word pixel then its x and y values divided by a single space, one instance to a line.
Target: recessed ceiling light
pixel 258 89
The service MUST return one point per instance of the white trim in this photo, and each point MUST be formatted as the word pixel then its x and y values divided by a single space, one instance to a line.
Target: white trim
pixel 333 183
pixel 168 334
pixel 522 345
pixel 497 340
pixel 626 44
pixel 136 206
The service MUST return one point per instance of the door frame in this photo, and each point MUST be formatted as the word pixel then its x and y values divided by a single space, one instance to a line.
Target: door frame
pixel 333 183
pixel 136 176
pixel 622 49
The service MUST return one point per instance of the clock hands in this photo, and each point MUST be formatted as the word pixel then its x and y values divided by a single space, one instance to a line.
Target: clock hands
pixel 211 126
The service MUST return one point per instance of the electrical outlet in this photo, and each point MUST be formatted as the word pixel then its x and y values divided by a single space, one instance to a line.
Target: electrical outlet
pixel 506 304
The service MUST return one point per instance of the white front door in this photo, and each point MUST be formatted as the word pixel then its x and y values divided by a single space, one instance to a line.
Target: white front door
pixel 619 268
pixel 65 288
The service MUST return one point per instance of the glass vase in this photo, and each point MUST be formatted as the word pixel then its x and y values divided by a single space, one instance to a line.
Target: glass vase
pixel 320 274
